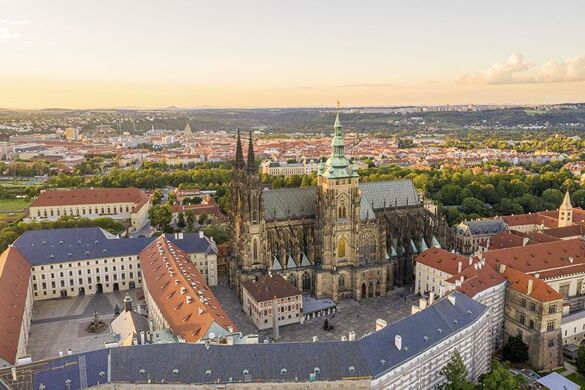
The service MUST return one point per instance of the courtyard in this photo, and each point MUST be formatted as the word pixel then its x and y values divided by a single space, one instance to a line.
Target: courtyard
pixel 61 323
pixel 351 315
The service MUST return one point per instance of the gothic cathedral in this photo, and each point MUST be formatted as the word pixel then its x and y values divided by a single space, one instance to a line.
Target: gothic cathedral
pixel 340 239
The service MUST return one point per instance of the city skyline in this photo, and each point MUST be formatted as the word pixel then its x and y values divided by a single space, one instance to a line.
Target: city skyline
pixel 262 54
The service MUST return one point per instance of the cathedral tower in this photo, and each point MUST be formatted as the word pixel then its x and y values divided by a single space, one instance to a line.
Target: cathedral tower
pixel 566 211
pixel 339 199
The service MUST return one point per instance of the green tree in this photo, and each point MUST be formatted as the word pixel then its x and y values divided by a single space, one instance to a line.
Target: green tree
pixel 156 197
pixel 500 377
pixel 553 196
pixel 515 350
pixel 580 363
pixel 455 374
pixel 218 232
pixel 161 217
pixel 171 198
pixel 181 220
pixel 190 220
pixel 450 194
pixel 202 219
pixel 578 198
pixel 473 206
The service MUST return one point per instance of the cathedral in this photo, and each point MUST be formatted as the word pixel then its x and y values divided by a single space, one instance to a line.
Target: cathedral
pixel 339 239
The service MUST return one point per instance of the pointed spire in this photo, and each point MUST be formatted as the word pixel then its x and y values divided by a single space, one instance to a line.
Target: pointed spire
pixel 239 154
pixel 251 157
pixel 567 201
pixel 337 124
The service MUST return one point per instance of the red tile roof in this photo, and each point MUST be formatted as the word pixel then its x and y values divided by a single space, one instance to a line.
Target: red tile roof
pixel 541 291
pixel 269 287
pixel 567 231
pixel 167 270
pixel 504 240
pixel 442 260
pixel 539 257
pixel 89 196
pixel 476 278
pixel 14 281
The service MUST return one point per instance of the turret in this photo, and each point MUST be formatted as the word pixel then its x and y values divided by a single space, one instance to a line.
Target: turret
pixel 251 157
pixel 566 212
pixel 239 154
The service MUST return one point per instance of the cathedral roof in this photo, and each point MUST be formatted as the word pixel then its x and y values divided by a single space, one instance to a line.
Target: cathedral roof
pixel 289 202
pixel 391 193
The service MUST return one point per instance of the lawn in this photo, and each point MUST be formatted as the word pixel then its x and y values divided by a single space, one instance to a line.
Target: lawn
pixel 577 378
pixel 10 205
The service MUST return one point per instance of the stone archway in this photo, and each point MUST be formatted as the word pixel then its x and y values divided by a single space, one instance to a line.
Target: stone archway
pixel 370 290
pixel 364 291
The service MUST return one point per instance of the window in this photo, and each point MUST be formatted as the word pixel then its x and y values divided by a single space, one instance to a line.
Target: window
pixel 550 325
pixel 341 248
pixel 341 281
pixel 552 309
pixel 532 306
pixel 523 302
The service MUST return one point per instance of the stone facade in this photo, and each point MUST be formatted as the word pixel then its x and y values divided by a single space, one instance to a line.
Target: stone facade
pixel 342 238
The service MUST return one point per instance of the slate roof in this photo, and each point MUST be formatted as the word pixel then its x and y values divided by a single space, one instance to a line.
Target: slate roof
pixel 302 202
pixel 198 363
pixel 83 370
pixel 58 245
pixel 289 202
pixel 443 315
pixel 485 226
pixel 193 243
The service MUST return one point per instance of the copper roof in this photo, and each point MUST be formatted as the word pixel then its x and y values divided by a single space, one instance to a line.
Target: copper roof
pixel 540 290
pixel 180 291
pixel 269 287
pixel 442 260
pixel 89 196
pixel 14 280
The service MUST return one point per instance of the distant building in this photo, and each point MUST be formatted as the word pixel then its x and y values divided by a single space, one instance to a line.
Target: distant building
pixel 274 168
pixel 72 134
pixel 117 203
pixel 270 292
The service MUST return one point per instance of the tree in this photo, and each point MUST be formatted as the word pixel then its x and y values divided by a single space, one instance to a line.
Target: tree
pixel 515 350
pixel 156 197
pixel 181 220
pixel 450 194
pixel 455 374
pixel 190 220
pixel 473 206
pixel 580 363
pixel 218 232
pixel 578 198
pixel 161 216
pixel 171 198
pixel 554 196
pixel 202 219
pixel 500 377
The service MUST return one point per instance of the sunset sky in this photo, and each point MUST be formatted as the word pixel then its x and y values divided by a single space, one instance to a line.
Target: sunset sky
pixel 90 54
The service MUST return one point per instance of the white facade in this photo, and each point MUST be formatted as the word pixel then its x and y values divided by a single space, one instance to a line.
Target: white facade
pixel 573 328
pixel 271 168
pixel 494 298
pixel 423 371
pixel 289 310
pixel 82 277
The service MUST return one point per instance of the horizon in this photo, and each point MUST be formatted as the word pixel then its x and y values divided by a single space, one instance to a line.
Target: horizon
pixel 257 54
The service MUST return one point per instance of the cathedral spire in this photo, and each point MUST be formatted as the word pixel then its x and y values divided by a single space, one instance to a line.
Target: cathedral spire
pixel 251 157
pixel 239 154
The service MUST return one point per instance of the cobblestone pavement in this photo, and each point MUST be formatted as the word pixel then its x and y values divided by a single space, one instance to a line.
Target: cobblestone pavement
pixel 60 323
pixel 351 315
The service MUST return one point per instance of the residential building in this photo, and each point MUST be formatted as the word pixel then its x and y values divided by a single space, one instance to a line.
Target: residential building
pixel 117 203
pixel 534 311
pixel 434 266
pixel 72 134
pixel 469 235
pixel 202 251
pixel 275 168
pixel 573 327
pixel 271 301
pixel 178 298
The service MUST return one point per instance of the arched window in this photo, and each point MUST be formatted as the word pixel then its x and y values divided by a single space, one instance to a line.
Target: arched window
pixel 341 281
pixel 341 248
pixel 306 281
pixel 255 249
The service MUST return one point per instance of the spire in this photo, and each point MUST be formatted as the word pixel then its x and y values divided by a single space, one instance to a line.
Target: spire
pixel 239 154
pixel 337 143
pixel 566 201
pixel 251 157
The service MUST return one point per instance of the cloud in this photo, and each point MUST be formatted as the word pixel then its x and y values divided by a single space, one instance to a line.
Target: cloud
pixel 370 85
pixel 515 70
pixel 7 34
pixel 14 22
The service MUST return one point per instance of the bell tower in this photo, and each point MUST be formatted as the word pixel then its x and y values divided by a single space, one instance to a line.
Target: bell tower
pixel 338 205
pixel 566 212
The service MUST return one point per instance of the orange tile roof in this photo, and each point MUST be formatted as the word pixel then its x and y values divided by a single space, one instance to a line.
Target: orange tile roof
pixel 539 257
pixel 442 260
pixel 14 281
pixel 269 287
pixel 504 240
pixel 89 196
pixel 567 231
pixel 476 278
pixel 540 290
pixel 171 278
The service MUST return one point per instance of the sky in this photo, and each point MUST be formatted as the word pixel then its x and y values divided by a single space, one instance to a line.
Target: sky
pixel 273 53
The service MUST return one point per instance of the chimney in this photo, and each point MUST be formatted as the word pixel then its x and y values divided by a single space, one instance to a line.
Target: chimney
pixel 460 265
pixel 469 261
pixel 200 234
pixel 351 336
pixel 502 268
pixel 398 342
pixel 69 352
pixel 525 241
pixel 529 291
pixel 142 337
pixel 14 377
pixel 451 299
pixel 380 324
pixel 60 352
pixel 315 339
